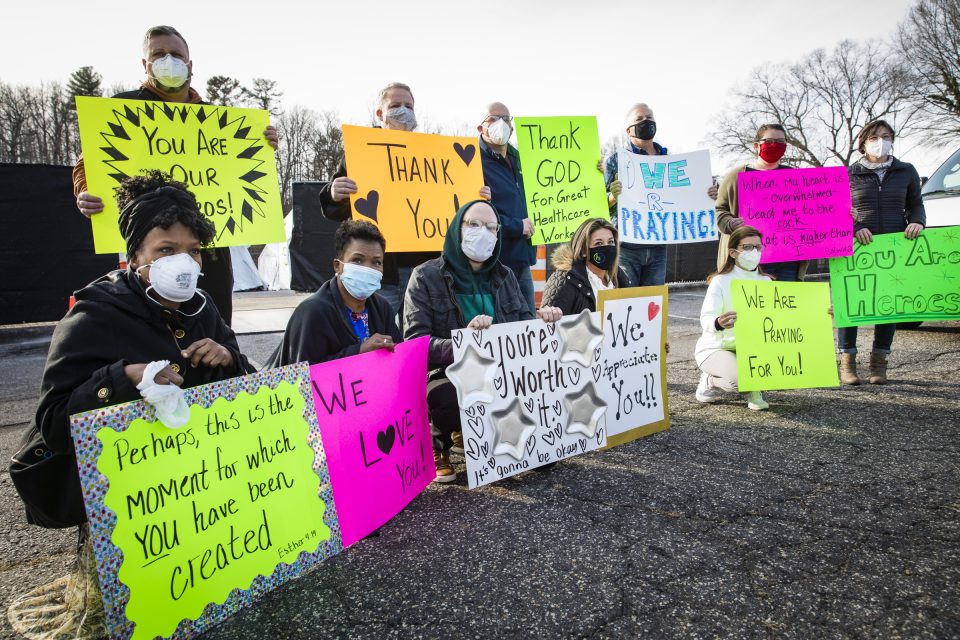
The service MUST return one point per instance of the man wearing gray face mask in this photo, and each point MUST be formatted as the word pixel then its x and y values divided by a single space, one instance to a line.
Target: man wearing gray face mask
pixel 395 112
pixel 169 69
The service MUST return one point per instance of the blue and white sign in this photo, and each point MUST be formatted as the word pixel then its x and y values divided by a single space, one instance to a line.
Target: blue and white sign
pixel 664 198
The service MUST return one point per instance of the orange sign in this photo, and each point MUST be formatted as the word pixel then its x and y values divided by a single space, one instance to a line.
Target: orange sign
pixel 411 184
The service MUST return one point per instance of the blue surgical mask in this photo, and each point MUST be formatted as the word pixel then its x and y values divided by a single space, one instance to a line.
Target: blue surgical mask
pixel 359 281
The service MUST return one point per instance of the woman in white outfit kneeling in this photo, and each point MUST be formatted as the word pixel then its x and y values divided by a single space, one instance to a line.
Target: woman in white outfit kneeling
pixel 716 350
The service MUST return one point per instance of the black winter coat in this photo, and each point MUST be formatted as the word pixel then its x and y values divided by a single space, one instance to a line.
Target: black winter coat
pixel 569 287
pixel 430 307
pixel 886 207
pixel 113 324
pixel 319 331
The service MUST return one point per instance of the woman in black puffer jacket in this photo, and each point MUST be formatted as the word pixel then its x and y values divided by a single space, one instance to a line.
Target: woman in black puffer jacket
pixel 885 194
pixel 586 266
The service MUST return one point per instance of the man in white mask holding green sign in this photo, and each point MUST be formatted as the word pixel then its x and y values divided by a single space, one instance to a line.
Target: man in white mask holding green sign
pixel 169 69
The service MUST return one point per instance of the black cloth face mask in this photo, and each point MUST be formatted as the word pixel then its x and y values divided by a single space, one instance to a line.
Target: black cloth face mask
pixel 645 130
pixel 603 256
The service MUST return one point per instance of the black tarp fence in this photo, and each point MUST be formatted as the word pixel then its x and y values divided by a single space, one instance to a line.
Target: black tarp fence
pixel 46 249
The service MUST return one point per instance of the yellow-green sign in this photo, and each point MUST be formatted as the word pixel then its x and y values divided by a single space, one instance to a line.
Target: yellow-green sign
pixel 894 279
pixel 219 152
pixel 562 184
pixel 784 335
pixel 185 517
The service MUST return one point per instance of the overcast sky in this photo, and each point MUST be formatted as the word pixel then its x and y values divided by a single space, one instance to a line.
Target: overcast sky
pixel 542 57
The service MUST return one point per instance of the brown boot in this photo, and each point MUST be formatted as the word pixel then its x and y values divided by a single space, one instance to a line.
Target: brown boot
pixel 848 369
pixel 878 368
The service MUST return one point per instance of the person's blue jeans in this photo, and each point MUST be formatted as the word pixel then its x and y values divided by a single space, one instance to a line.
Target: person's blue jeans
pixel 882 338
pixel 525 280
pixel 394 292
pixel 645 265
pixel 783 271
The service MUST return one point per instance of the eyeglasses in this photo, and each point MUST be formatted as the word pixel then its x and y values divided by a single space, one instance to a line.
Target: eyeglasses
pixel 492 227
pixel 494 118
pixel 750 247
pixel 771 140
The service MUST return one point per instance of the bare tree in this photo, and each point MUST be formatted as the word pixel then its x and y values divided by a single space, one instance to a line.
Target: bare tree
pixel 37 125
pixel 610 146
pixel 930 44
pixel 327 146
pixel 822 101
pixel 264 94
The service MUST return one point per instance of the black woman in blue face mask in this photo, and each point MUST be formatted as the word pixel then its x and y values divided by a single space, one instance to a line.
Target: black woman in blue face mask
pixel 586 266
pixel 346 316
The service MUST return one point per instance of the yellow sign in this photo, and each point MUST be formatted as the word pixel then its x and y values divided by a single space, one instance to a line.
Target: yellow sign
pixel 228 502
pixel 410 184
pixel 219 152
pixel 633 371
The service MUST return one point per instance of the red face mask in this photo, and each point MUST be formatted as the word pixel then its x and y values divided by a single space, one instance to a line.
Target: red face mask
pixel 771 152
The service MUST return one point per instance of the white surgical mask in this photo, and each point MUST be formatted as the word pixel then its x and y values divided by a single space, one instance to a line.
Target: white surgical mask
pixel 749 260
pixel 878 148
pixel 170 71
pixel 174 277
pixel 478 243
pixel 499 132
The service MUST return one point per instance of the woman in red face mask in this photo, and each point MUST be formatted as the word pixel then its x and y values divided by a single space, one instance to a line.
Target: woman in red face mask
pixel 769 144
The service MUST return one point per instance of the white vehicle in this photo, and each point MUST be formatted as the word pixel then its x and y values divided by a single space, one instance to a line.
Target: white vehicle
pixel 941 194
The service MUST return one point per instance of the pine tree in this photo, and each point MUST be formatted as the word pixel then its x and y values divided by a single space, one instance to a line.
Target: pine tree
pixel 85 82
pixel 224 91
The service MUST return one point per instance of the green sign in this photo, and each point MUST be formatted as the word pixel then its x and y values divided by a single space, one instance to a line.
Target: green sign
pixel 563 186
pixel 784 335
pixel 894 279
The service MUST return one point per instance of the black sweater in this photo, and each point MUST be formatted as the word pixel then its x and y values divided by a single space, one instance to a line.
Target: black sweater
pixel 319 331
pixel 886 207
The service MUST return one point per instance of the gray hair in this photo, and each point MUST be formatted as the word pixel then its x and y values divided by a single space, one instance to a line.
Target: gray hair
pixel 161 30
pixel 393 85
pixel 639 105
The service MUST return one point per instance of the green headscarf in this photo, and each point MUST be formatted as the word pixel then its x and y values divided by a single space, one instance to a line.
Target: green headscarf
pixel 472 288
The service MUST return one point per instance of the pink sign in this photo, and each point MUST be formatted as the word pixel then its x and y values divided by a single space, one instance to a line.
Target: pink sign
pixel 372 410
pixel 803 214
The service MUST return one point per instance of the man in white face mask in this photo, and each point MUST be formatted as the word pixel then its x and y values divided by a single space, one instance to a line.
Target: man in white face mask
pixel 169 69
pixel 503 175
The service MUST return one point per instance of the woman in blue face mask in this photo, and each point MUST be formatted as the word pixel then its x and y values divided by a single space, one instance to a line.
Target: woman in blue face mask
pixel 588 265
pixel 346 316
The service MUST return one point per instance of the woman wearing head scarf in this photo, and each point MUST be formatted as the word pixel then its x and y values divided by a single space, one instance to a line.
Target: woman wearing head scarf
pixel 585 267
pixel 466 287
pixel 120 323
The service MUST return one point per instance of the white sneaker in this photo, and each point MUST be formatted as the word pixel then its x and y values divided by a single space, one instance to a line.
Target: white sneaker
pixel 706 392
pixel 755 401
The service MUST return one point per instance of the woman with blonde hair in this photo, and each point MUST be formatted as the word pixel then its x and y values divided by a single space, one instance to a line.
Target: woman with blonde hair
pixel 716 350
pixel 587 265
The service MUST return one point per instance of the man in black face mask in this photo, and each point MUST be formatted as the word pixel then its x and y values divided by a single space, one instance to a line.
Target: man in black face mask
pixel 645 264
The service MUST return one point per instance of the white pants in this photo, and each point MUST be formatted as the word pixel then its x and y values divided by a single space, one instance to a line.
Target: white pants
pixel 721 366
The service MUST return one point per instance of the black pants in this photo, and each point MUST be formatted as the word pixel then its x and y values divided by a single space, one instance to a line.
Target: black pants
pixel 444 412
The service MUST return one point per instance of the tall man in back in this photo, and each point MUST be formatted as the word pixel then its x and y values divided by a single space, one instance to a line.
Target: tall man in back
pixel 646 264
pixel 169 69
pixel 503 175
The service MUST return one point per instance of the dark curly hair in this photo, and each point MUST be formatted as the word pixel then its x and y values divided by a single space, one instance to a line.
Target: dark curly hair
pixel 356 230
pixel 182 209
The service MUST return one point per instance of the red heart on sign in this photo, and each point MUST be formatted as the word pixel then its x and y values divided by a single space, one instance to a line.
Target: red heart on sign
pixel 652 310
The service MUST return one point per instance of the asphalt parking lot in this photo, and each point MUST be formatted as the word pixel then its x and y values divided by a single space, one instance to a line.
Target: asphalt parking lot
pixel 834 514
